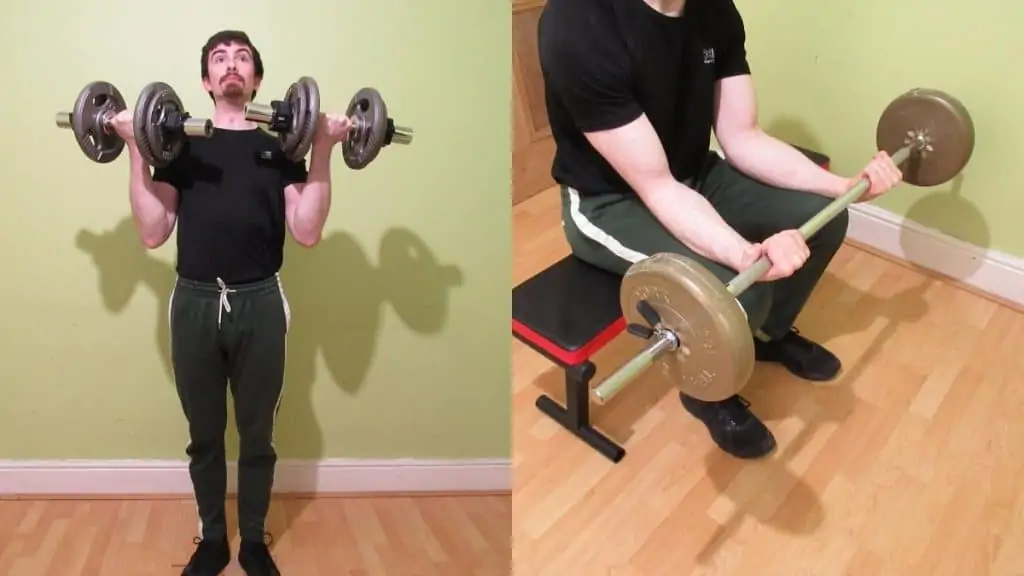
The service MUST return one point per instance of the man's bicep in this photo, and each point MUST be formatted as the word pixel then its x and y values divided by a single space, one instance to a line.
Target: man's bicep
pixel 167 194
pixel 735 108
pixel 292 197
pixel 635 152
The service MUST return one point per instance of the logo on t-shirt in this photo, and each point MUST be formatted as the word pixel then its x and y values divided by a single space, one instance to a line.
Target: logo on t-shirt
pixel 709 55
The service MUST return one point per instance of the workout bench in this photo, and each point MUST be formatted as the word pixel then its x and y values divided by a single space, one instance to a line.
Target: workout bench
pixel 567 313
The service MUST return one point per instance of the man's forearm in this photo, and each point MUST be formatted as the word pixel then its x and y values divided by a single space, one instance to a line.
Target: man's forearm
pixel 774 162
pixel 151 216
pixel 315 201
pixel 693 221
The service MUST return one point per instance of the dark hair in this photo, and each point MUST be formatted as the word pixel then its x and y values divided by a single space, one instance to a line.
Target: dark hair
pixel 229 37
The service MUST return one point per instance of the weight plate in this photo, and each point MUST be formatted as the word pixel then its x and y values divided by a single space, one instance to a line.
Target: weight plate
pixel 156 145
pixel 312 97
pixel 291 136
pixel 365 141
pixel 716 354
pixel 95 102
pixel 946 125
pixel 304 98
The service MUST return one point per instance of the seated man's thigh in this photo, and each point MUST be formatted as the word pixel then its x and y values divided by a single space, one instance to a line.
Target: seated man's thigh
pixel 757 210
pixel 615 231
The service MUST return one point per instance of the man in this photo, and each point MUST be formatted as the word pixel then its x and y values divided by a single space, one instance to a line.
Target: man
pixel 228 312
pixel 633 90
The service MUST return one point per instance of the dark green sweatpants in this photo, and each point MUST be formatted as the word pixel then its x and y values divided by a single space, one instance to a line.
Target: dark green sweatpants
pixel 233 336
pixel 612 231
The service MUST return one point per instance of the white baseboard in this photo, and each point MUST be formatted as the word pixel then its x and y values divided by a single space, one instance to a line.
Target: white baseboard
pixel 995 273
pixel 330 476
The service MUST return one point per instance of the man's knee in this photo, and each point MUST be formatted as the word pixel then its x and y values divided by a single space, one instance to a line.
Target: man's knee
pixel 593 252
pixel 204 450
pixel 257 448
pixel 206 430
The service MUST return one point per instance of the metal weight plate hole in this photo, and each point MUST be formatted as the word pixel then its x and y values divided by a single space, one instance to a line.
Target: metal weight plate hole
pixel 99 102
pixel 361 125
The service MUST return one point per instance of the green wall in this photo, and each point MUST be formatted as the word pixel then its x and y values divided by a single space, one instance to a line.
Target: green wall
pixel 825 71
pixel 399 343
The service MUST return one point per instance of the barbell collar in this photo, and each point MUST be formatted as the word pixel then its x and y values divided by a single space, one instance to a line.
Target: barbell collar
pixel 199 127
pixel 661 342
pixel 259 113
pixel 64 120
pixel 402 135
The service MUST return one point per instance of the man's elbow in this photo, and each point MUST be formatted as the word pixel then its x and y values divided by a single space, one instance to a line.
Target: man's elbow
pixel 155 238
pixel 308 241
pixel 153 241
pixel 733 139
pixel 307 238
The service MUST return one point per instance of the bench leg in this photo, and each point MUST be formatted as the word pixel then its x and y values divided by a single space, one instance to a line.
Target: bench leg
pixel 575 417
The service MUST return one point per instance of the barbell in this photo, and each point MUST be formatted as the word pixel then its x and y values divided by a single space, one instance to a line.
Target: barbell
pixel 294 120
pixel 696 329
pixel 160 123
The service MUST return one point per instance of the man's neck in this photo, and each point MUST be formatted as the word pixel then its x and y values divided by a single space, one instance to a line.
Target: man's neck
pixel 230 116
pixel 667 7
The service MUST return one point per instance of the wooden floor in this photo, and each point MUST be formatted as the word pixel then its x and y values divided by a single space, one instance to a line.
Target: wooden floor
pixel 909 464
pixel 424 536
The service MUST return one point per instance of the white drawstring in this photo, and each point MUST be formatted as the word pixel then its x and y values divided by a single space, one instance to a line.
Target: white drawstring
pixel 225 306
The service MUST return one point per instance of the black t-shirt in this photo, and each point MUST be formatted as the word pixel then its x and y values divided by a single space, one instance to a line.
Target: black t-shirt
pixel 606 62
pixel 231 218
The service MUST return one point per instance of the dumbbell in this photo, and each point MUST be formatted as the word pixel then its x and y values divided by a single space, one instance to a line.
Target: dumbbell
pixel 295 117
pixel 160 123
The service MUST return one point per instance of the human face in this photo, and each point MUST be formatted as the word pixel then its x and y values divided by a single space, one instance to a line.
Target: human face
pixel 232 73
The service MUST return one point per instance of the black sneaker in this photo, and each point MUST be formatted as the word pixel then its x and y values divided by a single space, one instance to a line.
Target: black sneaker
pixel 255 558
pixel 210 558
pixel 732 426
pixel 800 356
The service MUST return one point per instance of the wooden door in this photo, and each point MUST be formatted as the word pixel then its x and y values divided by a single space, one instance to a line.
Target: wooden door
pixel 533 147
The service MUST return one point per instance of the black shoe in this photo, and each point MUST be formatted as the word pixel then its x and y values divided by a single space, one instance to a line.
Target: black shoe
pixel 732 426
pixel 800 356
pixel 256 560
pixel 210 558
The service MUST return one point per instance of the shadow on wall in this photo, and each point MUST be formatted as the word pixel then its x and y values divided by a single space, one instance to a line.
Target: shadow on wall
pixel 954 215
pixel 336 296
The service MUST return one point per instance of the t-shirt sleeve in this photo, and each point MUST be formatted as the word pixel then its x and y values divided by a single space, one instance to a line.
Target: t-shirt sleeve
pixel 294 171
pixel 733 58
pixel 174 173
pixel 587 67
